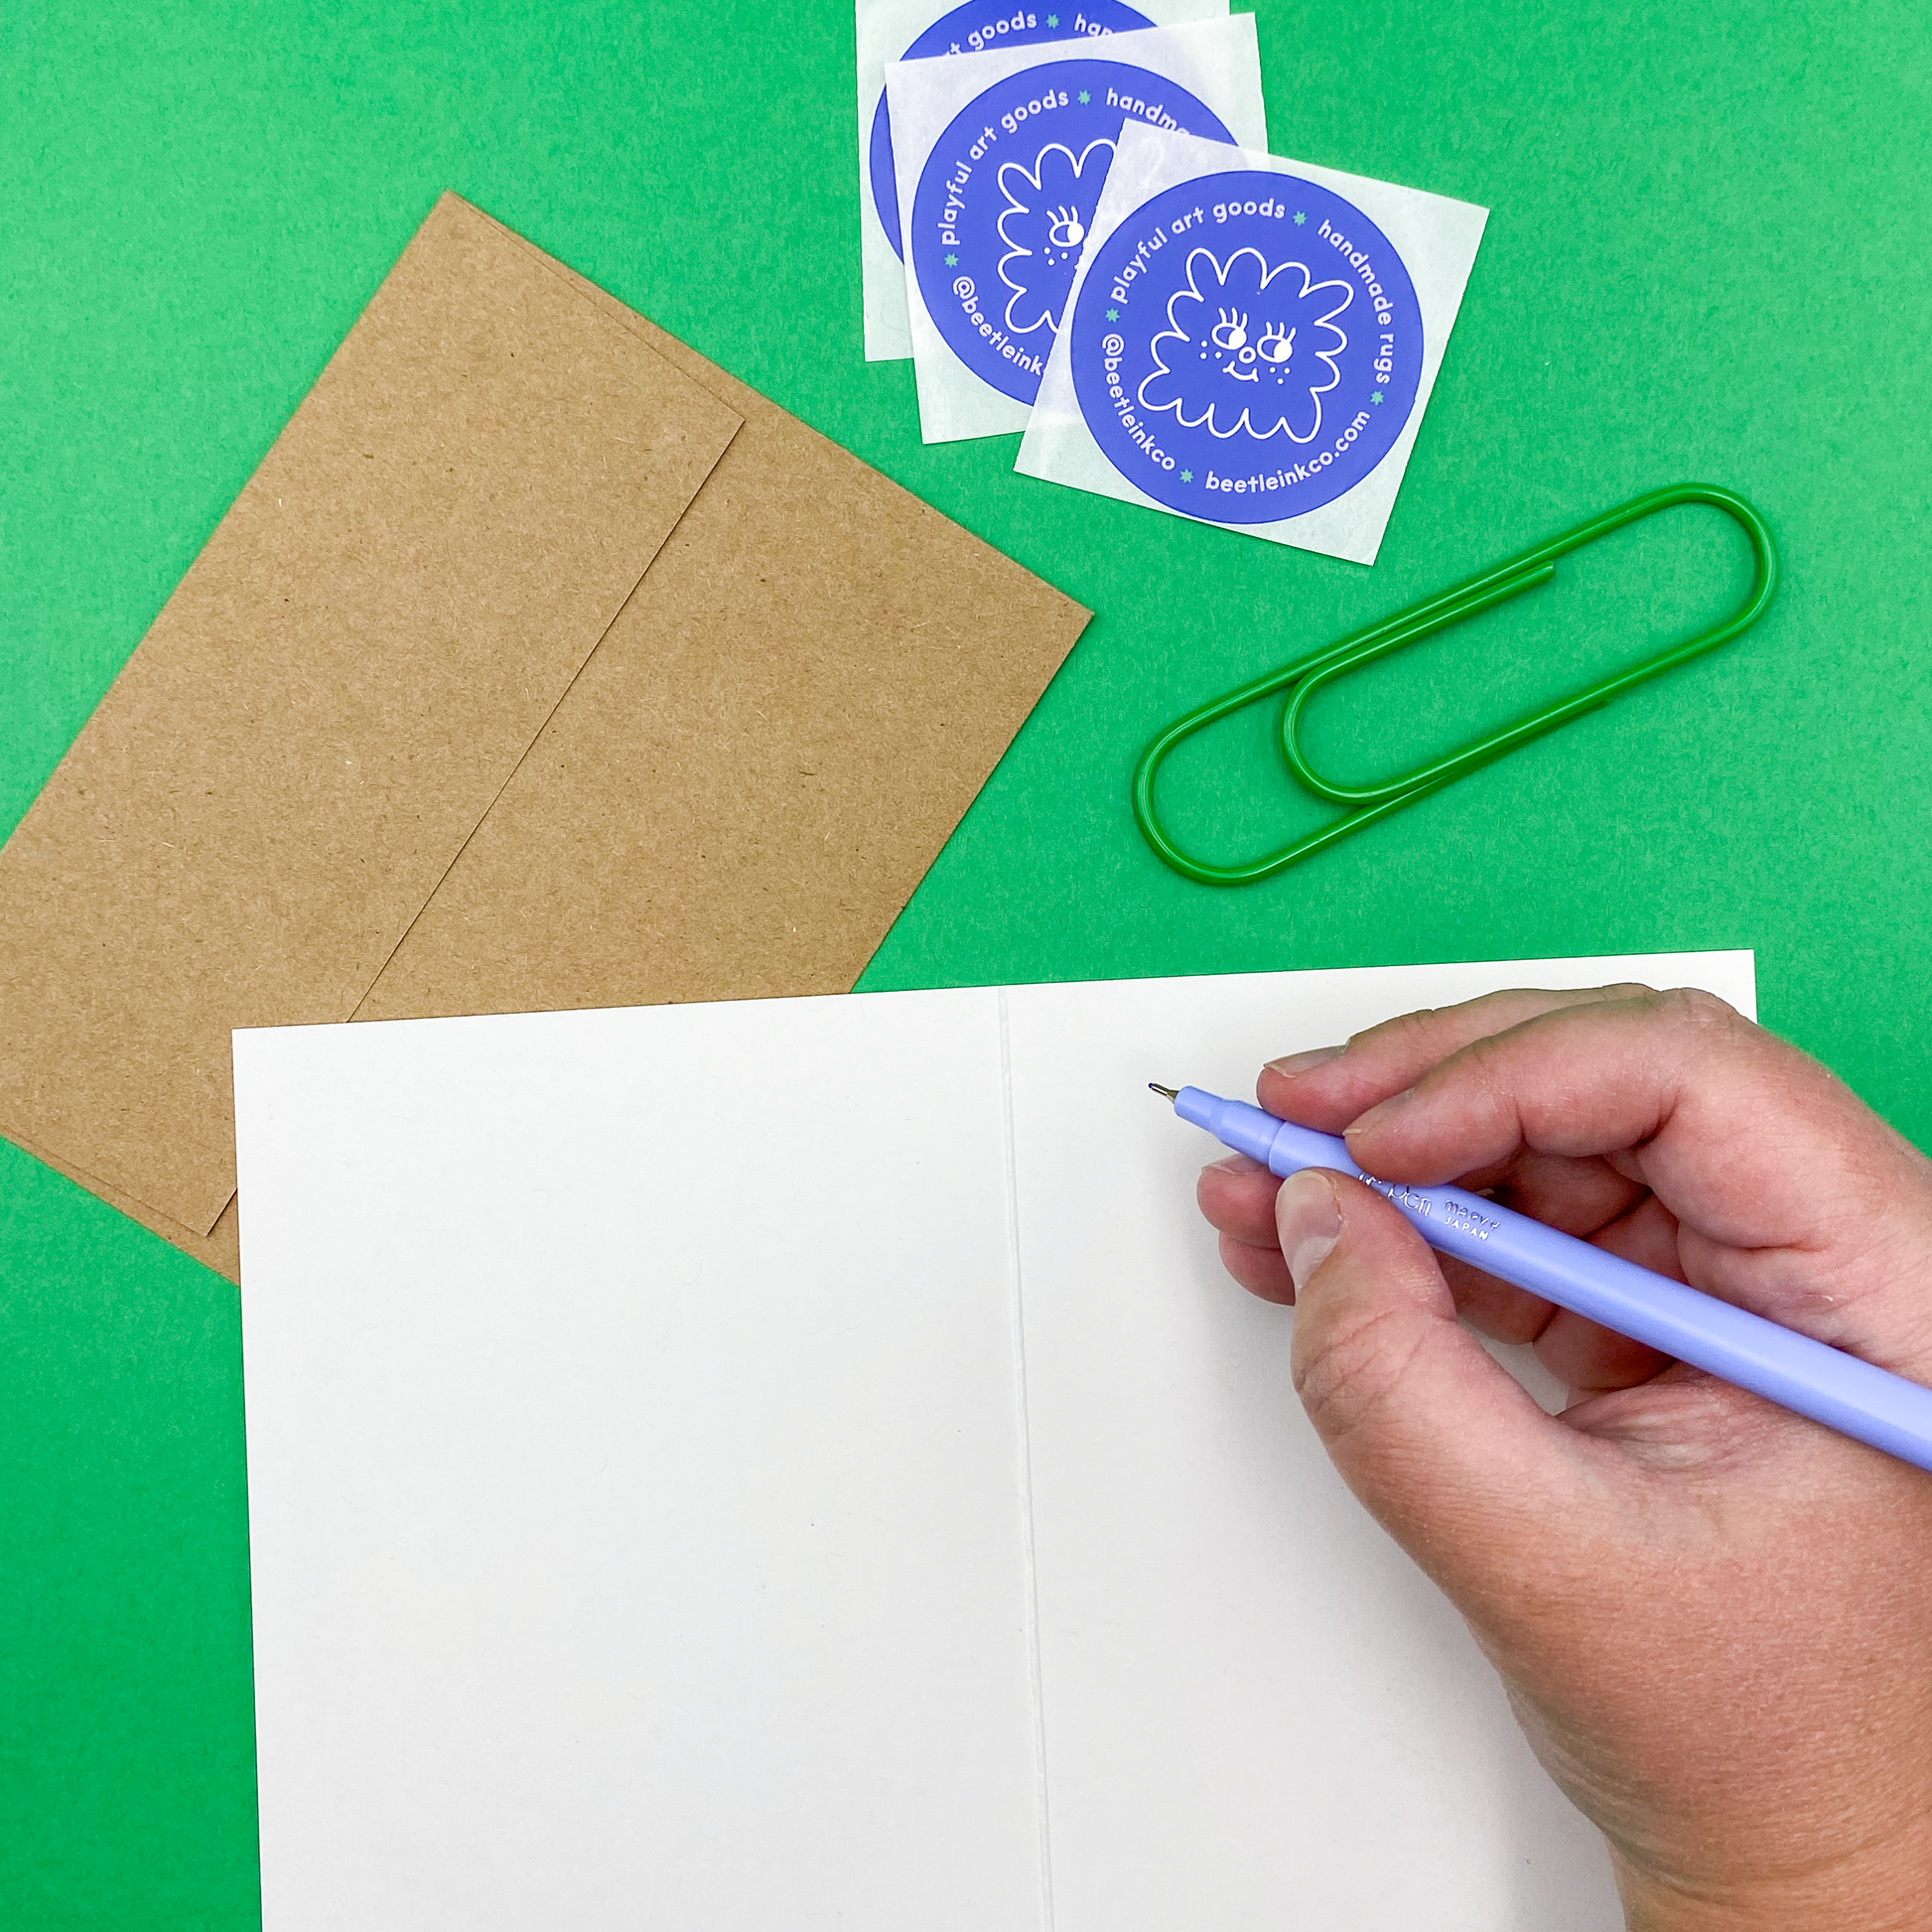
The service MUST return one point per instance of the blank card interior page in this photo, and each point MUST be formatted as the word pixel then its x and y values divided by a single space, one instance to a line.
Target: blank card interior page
pixel 1257 1712
pixel 636 1515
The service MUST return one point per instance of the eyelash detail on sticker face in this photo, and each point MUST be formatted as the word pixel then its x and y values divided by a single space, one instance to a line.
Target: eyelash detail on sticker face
pixel 1276 343
pixel 1231 331
pixel 1065 230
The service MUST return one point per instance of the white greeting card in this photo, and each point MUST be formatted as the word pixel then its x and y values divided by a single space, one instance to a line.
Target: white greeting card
pixel 799 1462
pixel 1251 342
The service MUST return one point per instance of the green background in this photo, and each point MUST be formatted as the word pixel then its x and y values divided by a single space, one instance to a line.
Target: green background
pixel 1707 258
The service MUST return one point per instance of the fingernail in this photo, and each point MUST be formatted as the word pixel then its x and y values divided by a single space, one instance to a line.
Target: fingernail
pixel 1306 1062
pixel 1309 1222
pixel 1380 1111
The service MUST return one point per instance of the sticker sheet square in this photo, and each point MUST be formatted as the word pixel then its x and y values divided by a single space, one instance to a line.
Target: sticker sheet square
pixel 915 30
pixel 1002 159
pixel 1251 342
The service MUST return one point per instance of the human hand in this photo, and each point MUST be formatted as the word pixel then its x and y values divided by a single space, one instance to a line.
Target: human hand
pixel 1713 1618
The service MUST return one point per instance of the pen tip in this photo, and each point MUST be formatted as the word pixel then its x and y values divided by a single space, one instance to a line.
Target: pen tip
pixel 1165 1093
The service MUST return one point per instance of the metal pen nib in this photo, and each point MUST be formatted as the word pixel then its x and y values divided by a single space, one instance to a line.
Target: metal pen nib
pixel 1165 1093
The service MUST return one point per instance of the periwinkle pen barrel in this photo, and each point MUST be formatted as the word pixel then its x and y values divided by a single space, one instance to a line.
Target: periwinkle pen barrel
pixel 1808 1377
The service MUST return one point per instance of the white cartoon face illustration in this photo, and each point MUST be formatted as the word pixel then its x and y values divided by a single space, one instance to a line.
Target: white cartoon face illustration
pixel 1249 347
pixel 1246 357
pixel 1231 336
pixel 1045 228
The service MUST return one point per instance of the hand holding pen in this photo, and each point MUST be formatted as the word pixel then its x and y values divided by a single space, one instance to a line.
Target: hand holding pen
pixel 1714 1617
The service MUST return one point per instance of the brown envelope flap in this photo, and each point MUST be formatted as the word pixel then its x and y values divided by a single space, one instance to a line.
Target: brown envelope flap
pixel 327 706
pixel 771 745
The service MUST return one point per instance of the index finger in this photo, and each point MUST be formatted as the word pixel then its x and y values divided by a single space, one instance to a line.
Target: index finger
pixel 1336 1085
pixel 1791 1195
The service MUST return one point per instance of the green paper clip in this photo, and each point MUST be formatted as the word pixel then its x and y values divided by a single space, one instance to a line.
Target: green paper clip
pixel 1307 676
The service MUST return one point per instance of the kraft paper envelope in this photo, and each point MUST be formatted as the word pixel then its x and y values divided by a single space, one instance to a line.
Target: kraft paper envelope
pixel 372 759
pixel 783 728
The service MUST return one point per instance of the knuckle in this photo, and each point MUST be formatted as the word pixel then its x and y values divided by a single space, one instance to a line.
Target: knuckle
pixel 1691 1006
pixel 1404 1026
pixel 1490 1066
pixel 1351 1370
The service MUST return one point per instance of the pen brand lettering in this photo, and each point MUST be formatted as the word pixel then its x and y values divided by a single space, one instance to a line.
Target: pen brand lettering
pixel 1467 1219
pixel 1246 347
pixel 973 28
pixel 1005 200
pixel 1403 1196
pixel 1464 1216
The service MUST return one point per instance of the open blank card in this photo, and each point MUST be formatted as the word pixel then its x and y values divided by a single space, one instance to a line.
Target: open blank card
pixel 797 1464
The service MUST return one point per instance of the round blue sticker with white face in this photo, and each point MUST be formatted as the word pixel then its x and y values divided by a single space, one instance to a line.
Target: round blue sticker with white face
pixel 977 28
pixel 1000 211
pixel 1246 346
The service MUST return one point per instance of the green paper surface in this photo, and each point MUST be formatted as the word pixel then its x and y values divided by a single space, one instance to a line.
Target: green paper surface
pixel 1706 259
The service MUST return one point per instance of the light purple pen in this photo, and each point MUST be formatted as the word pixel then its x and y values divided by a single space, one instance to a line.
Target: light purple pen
pixel 1868 1404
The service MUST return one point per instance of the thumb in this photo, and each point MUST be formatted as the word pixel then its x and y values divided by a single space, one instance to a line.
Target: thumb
pixel 1448 1452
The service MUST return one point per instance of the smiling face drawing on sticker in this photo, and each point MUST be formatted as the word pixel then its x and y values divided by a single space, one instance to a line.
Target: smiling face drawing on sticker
pixel 1246 346
pixel 1249 347
pixel 1246 358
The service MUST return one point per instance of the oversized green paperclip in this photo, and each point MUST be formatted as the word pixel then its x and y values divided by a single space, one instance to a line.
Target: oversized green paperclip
pixel 1307 676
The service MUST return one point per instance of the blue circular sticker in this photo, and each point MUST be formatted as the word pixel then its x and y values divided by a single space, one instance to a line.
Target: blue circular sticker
pixel 977 28
pixel 1246 346
pixel 1000 211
